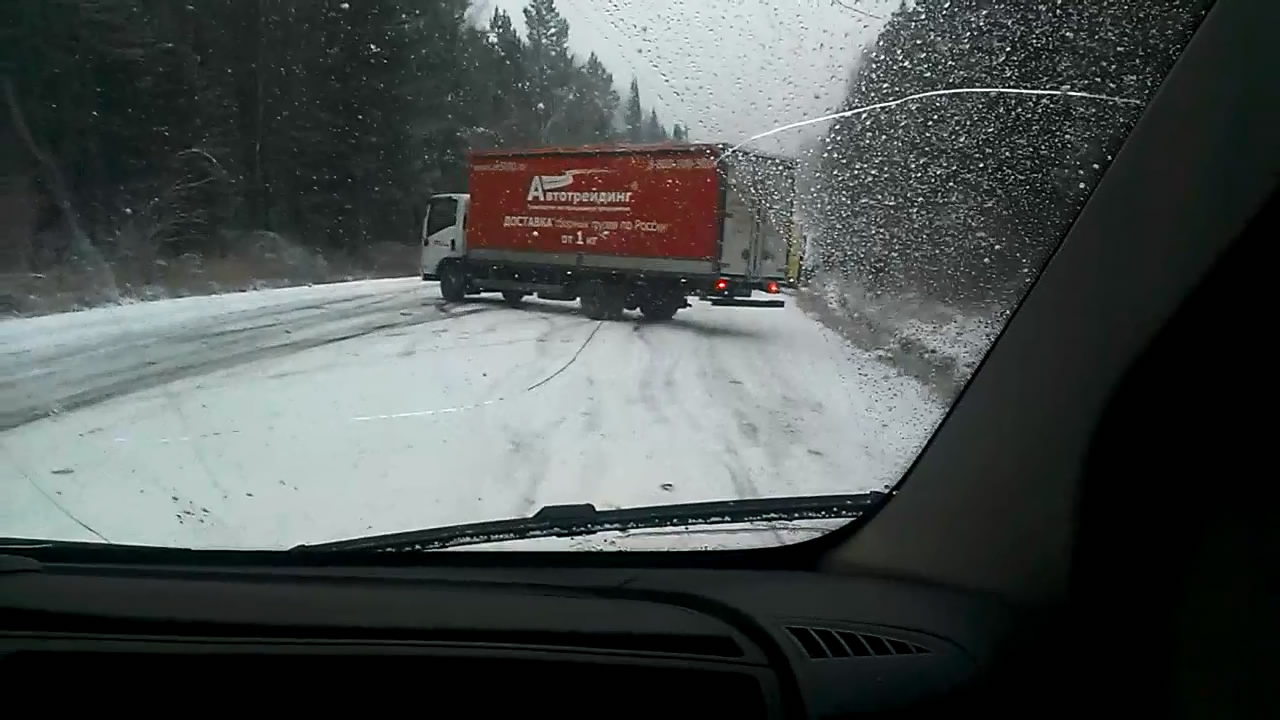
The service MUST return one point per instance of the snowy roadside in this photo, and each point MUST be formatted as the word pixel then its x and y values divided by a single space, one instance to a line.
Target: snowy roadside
pixel 939 345
pixel 254 261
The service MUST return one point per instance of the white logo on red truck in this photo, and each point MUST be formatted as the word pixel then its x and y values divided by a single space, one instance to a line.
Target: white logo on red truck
pixel 546 188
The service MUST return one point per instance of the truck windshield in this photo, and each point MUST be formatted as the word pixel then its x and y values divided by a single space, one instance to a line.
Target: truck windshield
pixel 723 252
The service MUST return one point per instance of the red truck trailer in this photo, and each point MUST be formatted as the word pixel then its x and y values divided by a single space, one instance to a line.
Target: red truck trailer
pixel 618 228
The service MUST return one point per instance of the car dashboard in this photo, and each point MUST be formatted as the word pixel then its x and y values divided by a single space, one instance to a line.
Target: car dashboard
pixel 577 642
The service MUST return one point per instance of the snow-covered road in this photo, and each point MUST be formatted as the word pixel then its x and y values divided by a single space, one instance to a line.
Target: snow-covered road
pixel 272 418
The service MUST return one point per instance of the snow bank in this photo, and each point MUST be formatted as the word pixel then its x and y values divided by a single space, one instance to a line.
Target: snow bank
pixel 251 261
pixel 962 340
pixel 152 318
pixel 936 342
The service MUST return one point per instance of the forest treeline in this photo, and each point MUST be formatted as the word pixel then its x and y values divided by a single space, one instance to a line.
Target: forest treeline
pixel 141 130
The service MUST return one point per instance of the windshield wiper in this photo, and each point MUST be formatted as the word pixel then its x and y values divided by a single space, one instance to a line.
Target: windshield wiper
pixel 585 519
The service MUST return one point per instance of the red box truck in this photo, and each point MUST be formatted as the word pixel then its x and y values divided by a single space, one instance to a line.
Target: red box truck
pixel 619 228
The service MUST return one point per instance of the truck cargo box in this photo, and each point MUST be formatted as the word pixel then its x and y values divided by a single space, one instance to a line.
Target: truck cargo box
pixel 758 207
pixel 678 209
pixel 655 209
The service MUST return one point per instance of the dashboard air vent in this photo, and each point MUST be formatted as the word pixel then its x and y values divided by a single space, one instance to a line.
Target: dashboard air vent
pixel 824 643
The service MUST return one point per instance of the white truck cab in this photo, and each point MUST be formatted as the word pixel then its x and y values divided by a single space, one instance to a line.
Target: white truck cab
pixel 444 231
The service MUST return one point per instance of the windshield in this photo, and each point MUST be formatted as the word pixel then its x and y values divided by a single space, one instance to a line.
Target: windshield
pixel 283 272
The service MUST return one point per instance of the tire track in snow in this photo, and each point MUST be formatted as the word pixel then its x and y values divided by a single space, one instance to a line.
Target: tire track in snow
pixel 13 459
pixel 528 460
pixel 570 362
pixel 550 328
pixel 745 443
pixel 485 403
pixel 414 344
pixel 560 369
pixel 79 379
pixel 653 376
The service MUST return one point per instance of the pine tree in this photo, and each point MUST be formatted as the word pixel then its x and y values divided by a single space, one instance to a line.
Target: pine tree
pixel 598 101
pixel 653 130
pixel 962 197
pixel 175 128
pixel 633 119
pixel 509 116
pixel 550 68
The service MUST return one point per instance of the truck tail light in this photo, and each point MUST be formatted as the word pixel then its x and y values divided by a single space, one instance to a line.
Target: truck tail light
pixel 771 287
pixel 721 285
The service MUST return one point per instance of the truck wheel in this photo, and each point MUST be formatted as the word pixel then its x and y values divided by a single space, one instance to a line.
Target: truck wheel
pixel 591 296
pixel 614 302
pixel 453 282
pixel 661 310
pixel 603 302
pixel 512 297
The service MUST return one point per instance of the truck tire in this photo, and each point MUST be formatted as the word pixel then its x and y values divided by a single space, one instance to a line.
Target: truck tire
pixel 603 302
pixel 589 296
pixel 453 282
pixel 614 302
pixel 661 310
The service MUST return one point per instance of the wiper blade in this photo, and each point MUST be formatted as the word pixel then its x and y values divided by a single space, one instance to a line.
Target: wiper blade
pixel 585 519
pixel 21 543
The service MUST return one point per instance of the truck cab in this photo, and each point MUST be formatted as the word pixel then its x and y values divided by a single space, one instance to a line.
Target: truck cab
pixel 444 231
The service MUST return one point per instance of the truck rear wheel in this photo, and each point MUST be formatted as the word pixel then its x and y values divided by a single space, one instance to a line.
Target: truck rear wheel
pixel 603 302
pixel 453 282
pixel 590 298
pixel 660 310
pixel 615 302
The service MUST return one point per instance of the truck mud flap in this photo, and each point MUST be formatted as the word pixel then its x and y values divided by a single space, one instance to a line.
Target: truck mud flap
pixel 745 302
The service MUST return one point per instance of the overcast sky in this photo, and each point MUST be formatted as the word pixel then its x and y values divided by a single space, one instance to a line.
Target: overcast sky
pixel 727 69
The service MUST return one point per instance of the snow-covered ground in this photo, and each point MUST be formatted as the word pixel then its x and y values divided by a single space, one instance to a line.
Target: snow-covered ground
pixel 272 418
